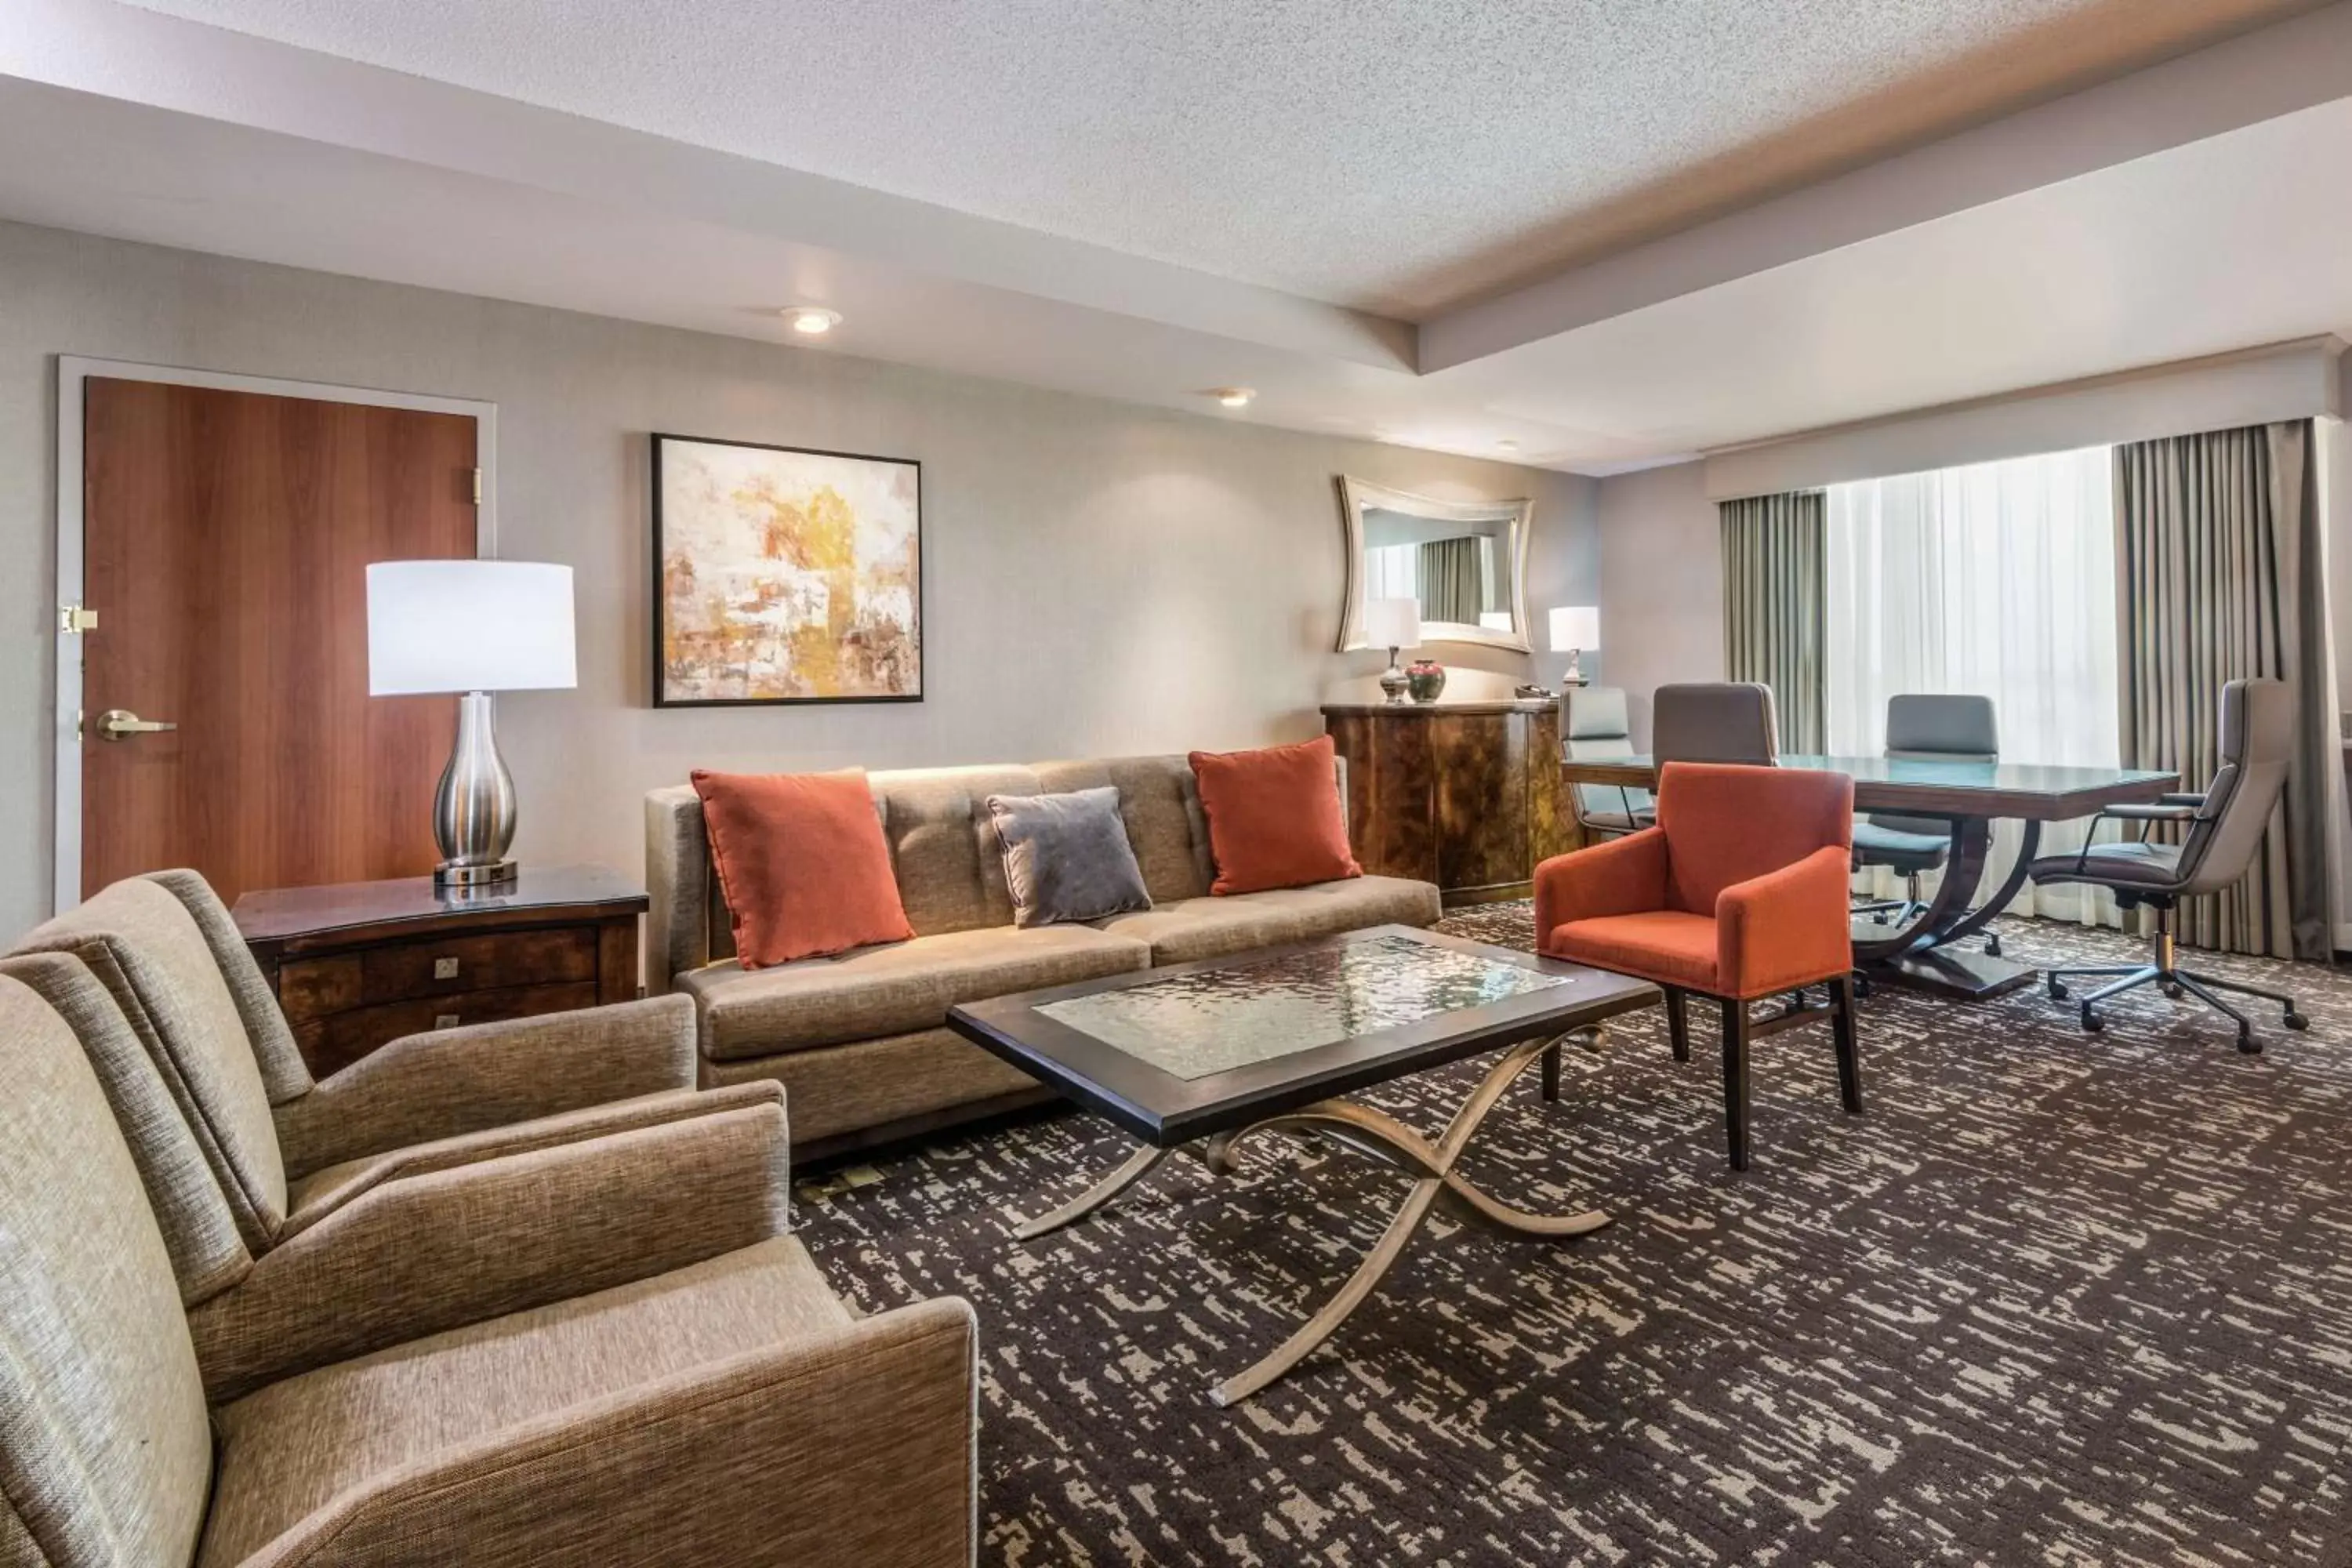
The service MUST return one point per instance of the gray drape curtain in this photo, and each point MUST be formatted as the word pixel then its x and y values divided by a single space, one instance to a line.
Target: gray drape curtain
pixel 1775 606
pixel 1452 580
pixel 2220 577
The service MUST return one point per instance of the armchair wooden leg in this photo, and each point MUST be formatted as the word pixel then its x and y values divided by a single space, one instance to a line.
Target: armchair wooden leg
pixel 1551 1072
pixel 1678 1023
pixel 1849 1054
pixel 1735 1078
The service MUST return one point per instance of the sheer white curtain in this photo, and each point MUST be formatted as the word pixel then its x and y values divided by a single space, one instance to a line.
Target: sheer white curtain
pixel 1997 579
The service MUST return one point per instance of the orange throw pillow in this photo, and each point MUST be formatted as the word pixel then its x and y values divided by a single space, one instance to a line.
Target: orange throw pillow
pixel 802 863
pixel 1273 817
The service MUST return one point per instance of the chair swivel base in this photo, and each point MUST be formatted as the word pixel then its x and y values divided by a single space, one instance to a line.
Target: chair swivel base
pixel 2175 983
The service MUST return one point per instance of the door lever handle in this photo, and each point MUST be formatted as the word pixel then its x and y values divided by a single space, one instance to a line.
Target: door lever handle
pixel 116 723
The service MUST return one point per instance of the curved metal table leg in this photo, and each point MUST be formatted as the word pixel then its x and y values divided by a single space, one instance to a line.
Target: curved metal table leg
pixel 1137 1166
pixel 1432 1163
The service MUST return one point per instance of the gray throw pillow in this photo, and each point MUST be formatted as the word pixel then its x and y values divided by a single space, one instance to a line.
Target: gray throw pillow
pixel 1066 857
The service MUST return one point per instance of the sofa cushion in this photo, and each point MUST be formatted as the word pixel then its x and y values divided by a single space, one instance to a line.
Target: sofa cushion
pixel 1275 818
pixel 329 1438
pixel 1066 857
pixel 1213 927
pixel 892 990
pixel 804 863
pixel 943 847
pixel 837 1089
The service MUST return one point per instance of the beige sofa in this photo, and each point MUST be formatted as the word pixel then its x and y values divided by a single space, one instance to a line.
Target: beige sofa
pixel 860 1041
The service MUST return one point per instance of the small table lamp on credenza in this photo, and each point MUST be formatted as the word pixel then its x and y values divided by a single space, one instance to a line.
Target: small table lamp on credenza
pixel 1575 628
pixel 472 627
pixel 1394 625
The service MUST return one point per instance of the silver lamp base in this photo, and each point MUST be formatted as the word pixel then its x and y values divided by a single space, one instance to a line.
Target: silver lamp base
pixel 497 874
pixel 1394 680
pixel 474 808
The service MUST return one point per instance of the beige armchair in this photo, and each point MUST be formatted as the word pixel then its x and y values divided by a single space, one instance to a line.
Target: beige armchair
pixel 727 1410
pixel 287 1150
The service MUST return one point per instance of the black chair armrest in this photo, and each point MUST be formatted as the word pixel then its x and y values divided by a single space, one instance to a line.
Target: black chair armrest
pixel 2182 797
pixel 2172 812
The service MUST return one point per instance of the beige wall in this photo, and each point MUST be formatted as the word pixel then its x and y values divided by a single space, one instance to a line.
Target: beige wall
pixel 1661 584
pixel 1101 577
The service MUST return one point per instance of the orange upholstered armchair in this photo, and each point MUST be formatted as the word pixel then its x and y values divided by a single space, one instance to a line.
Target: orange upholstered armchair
pixel 1739 893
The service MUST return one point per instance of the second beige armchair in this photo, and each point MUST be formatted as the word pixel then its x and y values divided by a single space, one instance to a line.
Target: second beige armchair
pixel 401 1196
pixel 728 1410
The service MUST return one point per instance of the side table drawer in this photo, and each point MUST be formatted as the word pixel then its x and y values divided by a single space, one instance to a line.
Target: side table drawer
pixel 330 1043
pixel 312 988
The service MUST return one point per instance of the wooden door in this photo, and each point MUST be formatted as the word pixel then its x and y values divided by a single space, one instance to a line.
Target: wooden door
pixel 226 537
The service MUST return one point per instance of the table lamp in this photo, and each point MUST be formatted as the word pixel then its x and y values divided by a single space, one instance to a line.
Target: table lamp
pixel 1394 624
pixel 472 627
pixel 1574 628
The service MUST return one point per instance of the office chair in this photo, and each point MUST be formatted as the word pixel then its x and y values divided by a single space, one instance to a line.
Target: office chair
pixel 1594 725
pixel 1715 721
pixel 1932 727
pixel 2225 825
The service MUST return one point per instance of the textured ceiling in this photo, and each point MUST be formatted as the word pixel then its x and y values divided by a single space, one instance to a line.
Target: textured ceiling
pixel 1395 155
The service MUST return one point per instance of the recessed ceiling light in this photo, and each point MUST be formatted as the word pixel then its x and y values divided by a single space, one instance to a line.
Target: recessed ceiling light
pixel 812 320
pixel 1233 396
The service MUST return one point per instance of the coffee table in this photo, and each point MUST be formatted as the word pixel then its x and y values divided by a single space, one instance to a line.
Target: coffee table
pixel 1216 1052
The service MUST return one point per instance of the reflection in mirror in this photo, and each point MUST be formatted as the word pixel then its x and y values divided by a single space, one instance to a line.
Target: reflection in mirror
pixel 1463 562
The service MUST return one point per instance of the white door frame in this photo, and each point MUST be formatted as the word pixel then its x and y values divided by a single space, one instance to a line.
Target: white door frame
pixel 72 371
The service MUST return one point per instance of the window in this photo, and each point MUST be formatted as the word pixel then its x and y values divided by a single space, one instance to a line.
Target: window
pixel 1997 579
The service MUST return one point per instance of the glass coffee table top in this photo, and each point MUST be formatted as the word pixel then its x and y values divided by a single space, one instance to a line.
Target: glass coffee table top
pixel 1182 1050
pixel 1215 1019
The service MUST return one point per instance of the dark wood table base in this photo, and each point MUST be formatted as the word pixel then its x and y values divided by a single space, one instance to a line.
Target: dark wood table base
pixel 1927 955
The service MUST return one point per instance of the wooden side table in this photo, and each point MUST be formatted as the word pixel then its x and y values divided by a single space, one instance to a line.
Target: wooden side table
pixel 361 963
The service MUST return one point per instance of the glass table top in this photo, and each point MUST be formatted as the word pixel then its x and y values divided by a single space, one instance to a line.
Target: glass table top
pixel 1235 1015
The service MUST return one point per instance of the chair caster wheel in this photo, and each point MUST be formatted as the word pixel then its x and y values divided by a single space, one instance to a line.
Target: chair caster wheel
pixel 2174 992
pixel 2296 1021
pixel 1992 947
pixel 2092 1022
pixel 2057 991
pixel 2247 1045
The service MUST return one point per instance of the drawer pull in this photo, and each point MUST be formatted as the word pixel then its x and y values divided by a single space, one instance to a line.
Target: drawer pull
pixel 444 1020
pixel 445 969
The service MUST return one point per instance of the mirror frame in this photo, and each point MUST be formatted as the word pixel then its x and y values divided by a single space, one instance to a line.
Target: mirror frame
pixel 1359 496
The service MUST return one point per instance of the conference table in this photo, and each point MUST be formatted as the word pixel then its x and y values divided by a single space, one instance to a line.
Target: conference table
pixel 1970 798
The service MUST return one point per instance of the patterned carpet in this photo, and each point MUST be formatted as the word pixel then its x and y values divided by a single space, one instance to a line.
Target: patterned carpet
pixel 2056 1299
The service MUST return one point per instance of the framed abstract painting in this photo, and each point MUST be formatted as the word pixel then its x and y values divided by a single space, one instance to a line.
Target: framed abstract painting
pixel 784 575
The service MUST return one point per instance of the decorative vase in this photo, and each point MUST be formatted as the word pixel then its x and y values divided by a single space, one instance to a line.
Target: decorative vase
pixel 1426 678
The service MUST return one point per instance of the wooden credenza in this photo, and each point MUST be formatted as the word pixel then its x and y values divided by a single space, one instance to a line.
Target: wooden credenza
pixel 359 965
pixel 1463 795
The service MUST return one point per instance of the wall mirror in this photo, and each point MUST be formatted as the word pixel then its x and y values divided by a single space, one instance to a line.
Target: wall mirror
pixel 1465 563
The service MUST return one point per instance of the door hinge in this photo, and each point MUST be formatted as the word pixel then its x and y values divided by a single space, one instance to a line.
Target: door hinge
pixel 73 620
pixel 478 487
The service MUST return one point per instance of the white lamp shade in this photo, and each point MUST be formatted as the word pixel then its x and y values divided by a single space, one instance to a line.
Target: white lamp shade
pixel 468 625
pixel 1576 627
pixel 1393 623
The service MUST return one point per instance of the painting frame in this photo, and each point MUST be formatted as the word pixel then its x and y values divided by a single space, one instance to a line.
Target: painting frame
pixel 659 444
